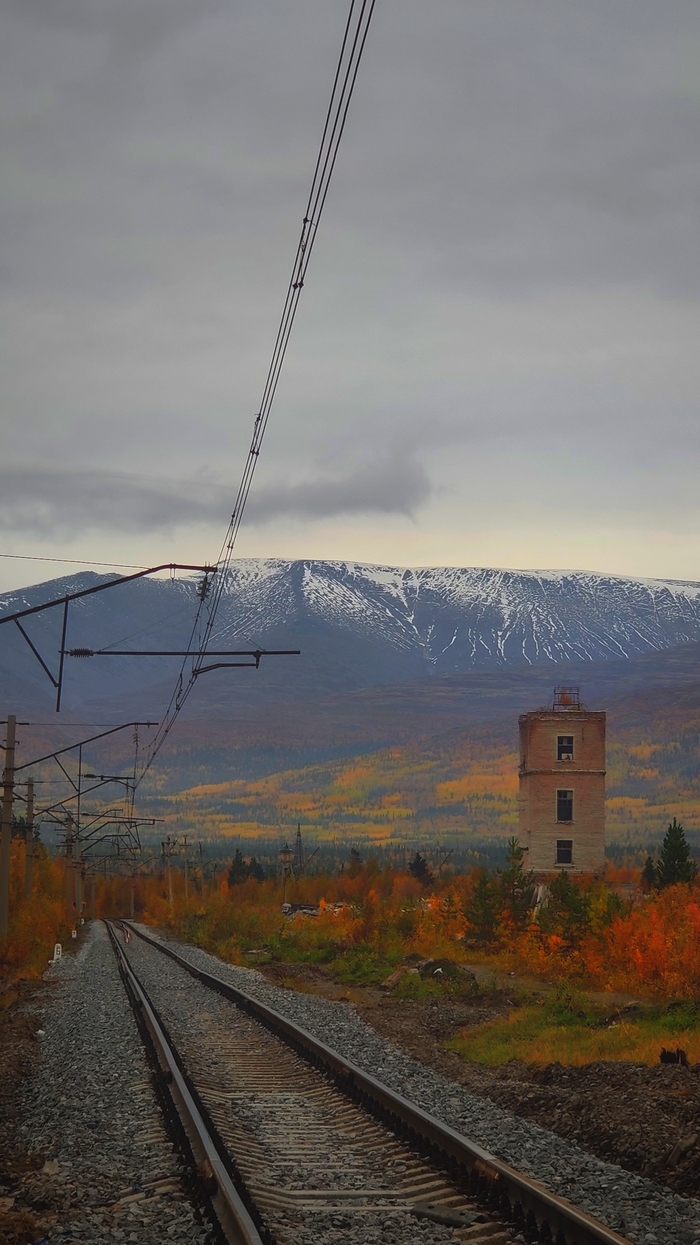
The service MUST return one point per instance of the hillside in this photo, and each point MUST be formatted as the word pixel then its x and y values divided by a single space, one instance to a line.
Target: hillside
pixel 358 627
pixel 459 783
pixel 354 747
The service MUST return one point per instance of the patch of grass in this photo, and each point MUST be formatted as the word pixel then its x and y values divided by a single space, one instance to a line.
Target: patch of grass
pixel 458 987
pixel 288 953
pixel 363 966
pixel 566 1028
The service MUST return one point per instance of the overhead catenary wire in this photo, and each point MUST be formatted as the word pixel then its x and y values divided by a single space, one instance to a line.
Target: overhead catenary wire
pixel 211 593
pixel 354 39
pixel 35 557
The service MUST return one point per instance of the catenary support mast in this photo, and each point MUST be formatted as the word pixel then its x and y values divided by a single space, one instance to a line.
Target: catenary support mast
pixel 8 784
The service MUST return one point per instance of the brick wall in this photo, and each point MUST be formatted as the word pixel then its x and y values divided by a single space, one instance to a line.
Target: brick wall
pixel 542 775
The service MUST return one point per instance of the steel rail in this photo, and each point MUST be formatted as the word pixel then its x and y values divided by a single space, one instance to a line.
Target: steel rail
pixel 235 1220
pixel 552 1217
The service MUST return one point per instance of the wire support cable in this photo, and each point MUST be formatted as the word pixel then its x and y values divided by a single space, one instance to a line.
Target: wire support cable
pixel 352 48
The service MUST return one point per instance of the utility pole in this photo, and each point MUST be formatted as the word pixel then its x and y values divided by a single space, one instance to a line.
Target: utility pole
pixel 29 840
pixel 78 876
pixel 298 862
pixel 166 853
pixel 286 856
pixel 8 782
pixel 69 869
pixel 186 888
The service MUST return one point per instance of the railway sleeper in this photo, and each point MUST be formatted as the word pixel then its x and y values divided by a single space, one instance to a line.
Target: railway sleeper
pixel 516 1200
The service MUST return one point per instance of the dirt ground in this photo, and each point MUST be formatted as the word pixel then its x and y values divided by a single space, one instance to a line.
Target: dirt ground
pixel 646 1119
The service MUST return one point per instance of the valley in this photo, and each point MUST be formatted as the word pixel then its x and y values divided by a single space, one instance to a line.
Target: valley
pixel 357 739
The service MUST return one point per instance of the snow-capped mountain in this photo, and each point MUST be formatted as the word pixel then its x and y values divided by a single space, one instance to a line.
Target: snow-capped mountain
pixel 356 624
pixel 458 618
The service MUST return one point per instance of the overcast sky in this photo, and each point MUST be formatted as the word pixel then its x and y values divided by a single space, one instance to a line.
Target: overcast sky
pixel 497 354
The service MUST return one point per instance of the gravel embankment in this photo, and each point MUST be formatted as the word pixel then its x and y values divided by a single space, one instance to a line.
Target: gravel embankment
pixel 111 1173
pixel 646 1212
pixel 642 1117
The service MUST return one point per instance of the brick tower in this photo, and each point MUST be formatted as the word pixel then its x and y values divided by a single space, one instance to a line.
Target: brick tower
pixel 562 786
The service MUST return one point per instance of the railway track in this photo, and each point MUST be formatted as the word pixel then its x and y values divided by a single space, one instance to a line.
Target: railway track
pixel 291 1143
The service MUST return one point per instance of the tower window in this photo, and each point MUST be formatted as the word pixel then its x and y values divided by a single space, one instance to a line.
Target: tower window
pixel 565 747
pixel 565 806
pixel 565 851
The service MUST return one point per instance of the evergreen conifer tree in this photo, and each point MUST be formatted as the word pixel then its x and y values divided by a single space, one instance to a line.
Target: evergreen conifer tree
pixel 516 887
pixel 648 874
pixel 566 911
pixel 674 864
pixel 355 864
pixel 256 870
pixel 239 869
pixel 419 868
pixel 482 909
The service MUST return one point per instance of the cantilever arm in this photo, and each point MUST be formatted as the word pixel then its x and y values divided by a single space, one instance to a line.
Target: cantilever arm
pixel 74 596
pixel 112 583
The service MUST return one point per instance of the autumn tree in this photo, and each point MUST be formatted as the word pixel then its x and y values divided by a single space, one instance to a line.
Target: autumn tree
pixel 674 864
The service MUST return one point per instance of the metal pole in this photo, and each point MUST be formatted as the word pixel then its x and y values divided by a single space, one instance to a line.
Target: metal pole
pixel 8 782
pixel 80 790
pixel 29 840
pixel 78 874
pixel 77 878
pixel 132 895
pixel 92 897
pixel 69 869
pixel 59 685
pixel 170 876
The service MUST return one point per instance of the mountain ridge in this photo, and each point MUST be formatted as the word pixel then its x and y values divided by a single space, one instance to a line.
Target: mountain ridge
pixel 358 625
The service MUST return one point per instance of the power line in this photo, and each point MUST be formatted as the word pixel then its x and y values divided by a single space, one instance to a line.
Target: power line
pixel 33 557
pixel 352 48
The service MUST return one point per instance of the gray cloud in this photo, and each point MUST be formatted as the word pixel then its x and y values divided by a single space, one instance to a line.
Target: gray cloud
pixel 506 284
pixel 390 485
pixel 49 503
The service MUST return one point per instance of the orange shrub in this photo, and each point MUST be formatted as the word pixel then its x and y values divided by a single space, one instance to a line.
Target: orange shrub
pixel 654 947
pixel 35 923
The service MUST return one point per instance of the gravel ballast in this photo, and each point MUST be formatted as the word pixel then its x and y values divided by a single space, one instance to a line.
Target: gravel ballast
pixel 110 1172
pixel 644 1211
pixel 306 1192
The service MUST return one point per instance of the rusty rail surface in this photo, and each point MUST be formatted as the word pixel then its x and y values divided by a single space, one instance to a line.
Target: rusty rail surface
pixel 524 1202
